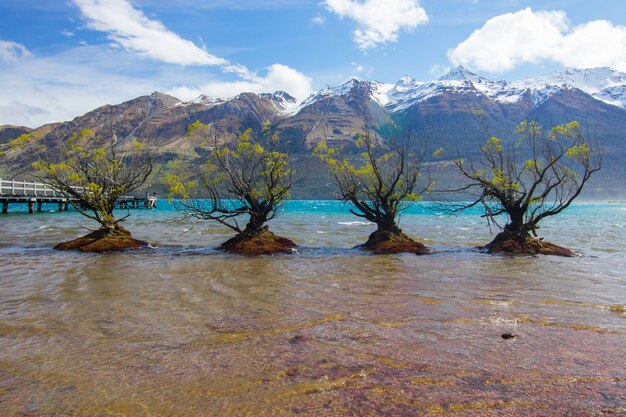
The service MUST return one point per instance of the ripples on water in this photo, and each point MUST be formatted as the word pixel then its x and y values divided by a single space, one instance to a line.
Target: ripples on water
pixel 185 330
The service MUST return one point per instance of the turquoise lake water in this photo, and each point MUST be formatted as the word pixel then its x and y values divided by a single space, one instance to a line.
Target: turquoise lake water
pixel 183 329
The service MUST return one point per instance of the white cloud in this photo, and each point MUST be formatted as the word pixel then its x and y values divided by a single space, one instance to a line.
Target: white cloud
pixel 595 44
pixel 278 77
pixel 439 70
pixel 12 51
pixel 527 36
pixel 379 21
pixel 68 84
pixel 132 30
pixel 129 28
pixel 318 20
pixel 52 89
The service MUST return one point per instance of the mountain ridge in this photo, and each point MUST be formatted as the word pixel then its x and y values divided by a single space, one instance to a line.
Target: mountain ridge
pixel 603 83
pixel 439 112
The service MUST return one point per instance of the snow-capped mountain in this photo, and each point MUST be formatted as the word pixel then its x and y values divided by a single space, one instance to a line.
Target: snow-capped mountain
pixel 408 92
pixel 282 100
pixel 604 84
pixel 378 92
pixel 204 99
pixel 438 112
pixel 504 92
pixel 441 107
pixel 337 112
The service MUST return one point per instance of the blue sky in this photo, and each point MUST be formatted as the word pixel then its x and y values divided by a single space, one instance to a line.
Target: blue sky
pixel 62 58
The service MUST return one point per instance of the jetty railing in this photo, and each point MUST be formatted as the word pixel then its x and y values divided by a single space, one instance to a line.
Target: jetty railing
pixel 26 188
pixel 31 193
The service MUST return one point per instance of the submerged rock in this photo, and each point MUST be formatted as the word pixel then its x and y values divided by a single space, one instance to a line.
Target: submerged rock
pixel 103 240
pixel 299 338
pixel 382 243
pixel 506 242
pixel 263 242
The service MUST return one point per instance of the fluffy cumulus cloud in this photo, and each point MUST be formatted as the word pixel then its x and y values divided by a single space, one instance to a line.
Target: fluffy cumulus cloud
pixel 12 51
pixel 527 36
pixel 379 21
pixel 44 89
pixel 129 28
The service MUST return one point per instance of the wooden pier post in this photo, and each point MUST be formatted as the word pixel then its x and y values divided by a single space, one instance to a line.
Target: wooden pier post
pixel 61 206
pixel 31 206
pixel 39 205
pixel 5 207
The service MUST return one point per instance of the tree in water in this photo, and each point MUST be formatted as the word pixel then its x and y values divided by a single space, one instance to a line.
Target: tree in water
pixel 381 183
pixel 535 176
pixel 250 180
pixel 94 174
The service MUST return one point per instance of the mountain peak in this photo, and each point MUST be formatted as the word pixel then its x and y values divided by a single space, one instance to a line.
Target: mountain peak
pixel 342 89
pixel 208 100
pixel 167 100
pixel 460 73
pixel 281 99
pixel 406 81
pixel 284 95
pixel 353 82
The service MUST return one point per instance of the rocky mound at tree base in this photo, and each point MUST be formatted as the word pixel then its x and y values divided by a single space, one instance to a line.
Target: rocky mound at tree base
pixel 383 243
pixel 103 240
pixel 506 242
pixel 263 242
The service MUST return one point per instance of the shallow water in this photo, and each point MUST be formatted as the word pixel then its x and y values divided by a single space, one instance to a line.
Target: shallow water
pixel 185 330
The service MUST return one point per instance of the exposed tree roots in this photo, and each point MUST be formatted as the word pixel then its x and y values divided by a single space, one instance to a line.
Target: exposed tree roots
pixel 507 242
pixel 262 242
pixel 383 242
pixel 103 240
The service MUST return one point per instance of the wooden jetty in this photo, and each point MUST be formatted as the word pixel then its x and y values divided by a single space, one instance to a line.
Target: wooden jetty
pixel 37 194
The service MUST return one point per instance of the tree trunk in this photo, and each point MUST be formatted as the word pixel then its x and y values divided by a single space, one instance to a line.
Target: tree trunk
pixel 110 226
pixel 389 238
pixel 515 226
pixel 255 224
pixel 388 225
pixel 109 223
pixel 256 239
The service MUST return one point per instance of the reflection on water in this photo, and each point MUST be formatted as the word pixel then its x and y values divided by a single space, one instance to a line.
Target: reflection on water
pixel 185 330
